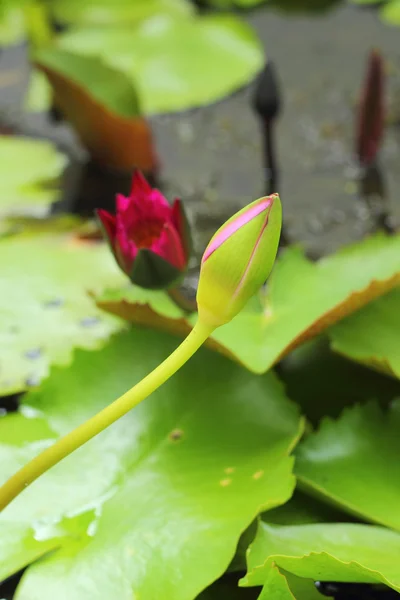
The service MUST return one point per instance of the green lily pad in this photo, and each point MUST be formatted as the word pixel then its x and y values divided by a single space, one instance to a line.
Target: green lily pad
pixel 372 335
pixel 351 462
pixel 38 97
pixel 365 1
pixel 176 63
pixel 12 24
pixel 102 105
pixel 390 12
pixel 301 301
pixel 304 298
pixel 345 552
pixel 162 491
pixel 276 586
pixel 29 174
pixel 313 371
pixel 108 86
pixel 281 585
pixel 228 4
pixel 102 12
pixel 300 510
pixel 45 307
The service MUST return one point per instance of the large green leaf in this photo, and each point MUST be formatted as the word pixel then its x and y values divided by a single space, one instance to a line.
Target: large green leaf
pixel 353 462
pixel 45 307
pixel 29 173
pixel 162 491
pixel 372 335
pixel 302 299
pixel 345 552
pixel 176 63
pixel 104 12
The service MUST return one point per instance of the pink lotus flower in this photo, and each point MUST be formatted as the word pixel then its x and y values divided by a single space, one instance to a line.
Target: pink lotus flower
pixel 148 237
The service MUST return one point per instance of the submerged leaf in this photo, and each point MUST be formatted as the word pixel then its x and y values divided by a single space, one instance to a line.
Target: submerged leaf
pixel 372 335
pixel 45 307
pixel 352 463
pixel 163 490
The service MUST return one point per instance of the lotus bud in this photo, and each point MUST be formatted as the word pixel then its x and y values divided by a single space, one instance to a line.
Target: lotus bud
pixel 238 260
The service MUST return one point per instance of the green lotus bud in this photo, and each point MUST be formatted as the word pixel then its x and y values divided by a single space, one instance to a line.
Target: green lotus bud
pixel 238 260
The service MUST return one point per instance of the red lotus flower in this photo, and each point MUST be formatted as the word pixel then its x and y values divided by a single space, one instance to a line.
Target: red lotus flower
pixel 148 237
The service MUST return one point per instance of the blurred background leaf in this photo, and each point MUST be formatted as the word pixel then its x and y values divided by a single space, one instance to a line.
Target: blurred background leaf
pixel 168 59
pixel 45 307
pixel 30 174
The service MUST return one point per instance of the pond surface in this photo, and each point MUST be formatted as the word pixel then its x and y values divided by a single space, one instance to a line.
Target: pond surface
pixel 212 156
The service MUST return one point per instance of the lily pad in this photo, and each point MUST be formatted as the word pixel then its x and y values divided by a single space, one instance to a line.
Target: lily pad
pixel 38 97
pixel 29 174
pixel 346 552
pixel 390 12
pixel 163 490
pixel 102 12
pixel 102 104
pixel 228 4
pixel 313 371
pixel 281 585
pixel 45 307
pixel 351 463
pixel 12 24
pixel 176 64
pixel 300 510
pixel 372 335
pixel 301 301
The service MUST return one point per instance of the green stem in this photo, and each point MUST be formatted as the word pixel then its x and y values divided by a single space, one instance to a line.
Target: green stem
pixel 85 432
